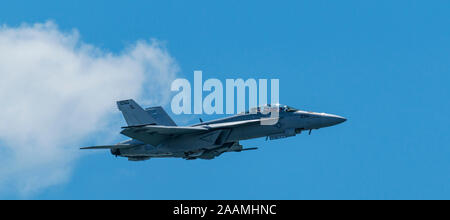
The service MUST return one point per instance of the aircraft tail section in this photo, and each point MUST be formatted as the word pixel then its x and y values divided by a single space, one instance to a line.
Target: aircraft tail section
pixel 161 117
pixel 134 114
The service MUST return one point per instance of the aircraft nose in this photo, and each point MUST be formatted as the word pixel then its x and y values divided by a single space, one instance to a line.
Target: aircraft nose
pixel 338 119
pixel 335 119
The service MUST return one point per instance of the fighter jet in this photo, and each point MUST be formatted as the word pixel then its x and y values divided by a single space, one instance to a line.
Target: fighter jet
pixel 155 135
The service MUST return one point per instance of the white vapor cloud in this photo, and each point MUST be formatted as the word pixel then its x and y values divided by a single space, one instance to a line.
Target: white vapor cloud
pixel 55 91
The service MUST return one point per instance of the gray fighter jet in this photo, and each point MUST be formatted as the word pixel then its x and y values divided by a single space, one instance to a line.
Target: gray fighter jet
pixel 154 134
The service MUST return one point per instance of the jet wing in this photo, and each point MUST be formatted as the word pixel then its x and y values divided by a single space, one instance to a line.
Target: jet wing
pixel 155 134
pixel 233 124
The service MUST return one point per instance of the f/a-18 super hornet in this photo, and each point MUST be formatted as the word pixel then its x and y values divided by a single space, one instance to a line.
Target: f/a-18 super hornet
pixel 154 134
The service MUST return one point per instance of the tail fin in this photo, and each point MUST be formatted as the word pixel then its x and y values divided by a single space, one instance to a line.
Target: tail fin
pixel 134 114
pixel 160 116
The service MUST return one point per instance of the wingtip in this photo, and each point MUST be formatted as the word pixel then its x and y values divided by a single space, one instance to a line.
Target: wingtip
pixel 250 148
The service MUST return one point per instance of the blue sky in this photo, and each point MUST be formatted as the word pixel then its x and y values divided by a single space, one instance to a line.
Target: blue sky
pixel 384 65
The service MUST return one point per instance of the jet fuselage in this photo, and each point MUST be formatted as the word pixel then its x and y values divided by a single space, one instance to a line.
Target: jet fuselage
pixel 192 146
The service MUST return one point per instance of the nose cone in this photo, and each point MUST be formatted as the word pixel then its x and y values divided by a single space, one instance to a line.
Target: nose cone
pixel 340 119
pixel 334 119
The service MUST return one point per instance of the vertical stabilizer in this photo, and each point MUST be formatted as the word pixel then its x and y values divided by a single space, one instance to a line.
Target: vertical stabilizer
pixel 134 114
pixel 160 116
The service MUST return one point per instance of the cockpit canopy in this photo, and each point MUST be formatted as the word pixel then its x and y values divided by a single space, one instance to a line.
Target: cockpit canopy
pixel 287 108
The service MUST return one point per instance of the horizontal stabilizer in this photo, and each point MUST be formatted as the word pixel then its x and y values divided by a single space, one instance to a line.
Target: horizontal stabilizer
pixel 138 126
pixel 118 146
